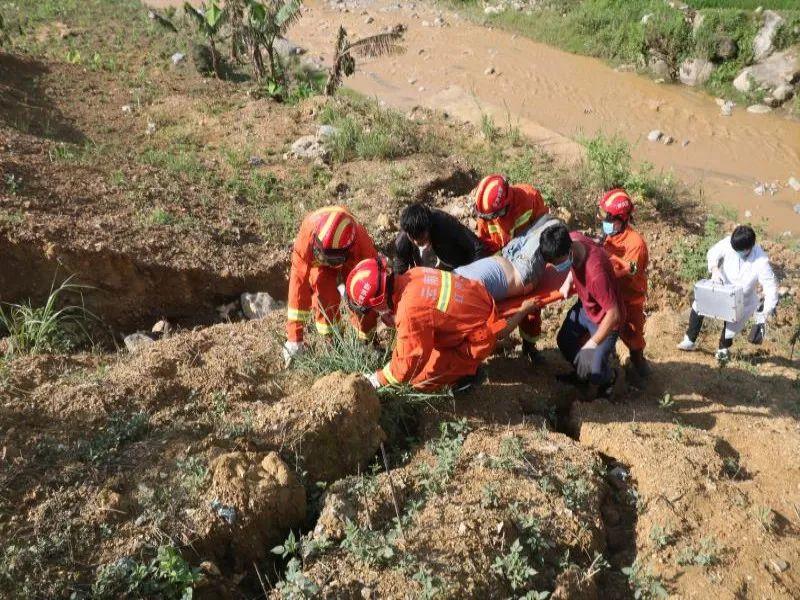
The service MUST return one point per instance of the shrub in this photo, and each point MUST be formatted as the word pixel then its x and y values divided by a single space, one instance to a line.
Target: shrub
pixel 691 255
pixel 667 36
pixel 167 576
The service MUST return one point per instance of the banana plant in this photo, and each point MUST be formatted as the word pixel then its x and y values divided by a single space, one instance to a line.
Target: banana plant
pixel 345 51
pixel 210 21
pixel 266 21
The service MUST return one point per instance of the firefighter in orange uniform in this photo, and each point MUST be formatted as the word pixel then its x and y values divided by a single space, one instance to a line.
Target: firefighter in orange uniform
pixel 329 244
pixel 506 212
pixel 629 257
pixel 446 324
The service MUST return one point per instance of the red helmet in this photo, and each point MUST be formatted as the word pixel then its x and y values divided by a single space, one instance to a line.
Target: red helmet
pixel 617 203
pixel 492 197
pixel 334 234
pixel 366 284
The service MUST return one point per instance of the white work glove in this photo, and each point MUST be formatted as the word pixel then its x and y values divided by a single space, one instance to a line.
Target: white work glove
pixel 290 350
pixel 373 379
pixel 566 286
pixel 716 275
pixel 584 359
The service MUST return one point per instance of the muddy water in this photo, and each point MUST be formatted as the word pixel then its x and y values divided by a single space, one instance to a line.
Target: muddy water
pixel 554 97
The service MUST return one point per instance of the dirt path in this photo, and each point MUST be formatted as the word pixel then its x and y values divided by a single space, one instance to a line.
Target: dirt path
pixel 555 96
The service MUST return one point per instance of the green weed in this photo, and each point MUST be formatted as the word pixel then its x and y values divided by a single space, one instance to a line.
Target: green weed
pixel 374 548
pixel 706 554
pixel 644 584
pixel 691 254
pixel 159 216
pixel 661 536
pixel 512 453
pixel 446 449
pixel 47 328
pixel 120 430
pixel 166 576
pixel 514 567
pixel 575 489
pixel 13 183
pixel 666 402
pixel 295 584
pixel 765 517
pixel 489 496
pixel 431 586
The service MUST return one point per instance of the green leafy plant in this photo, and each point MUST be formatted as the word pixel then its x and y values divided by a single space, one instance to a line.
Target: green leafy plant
pixel 50 328
pixel 489 496
pixel 705 554
pixel 431 586
pixel 209 21
pixel 512 454
pixel 666 402
pixel 691 254
pixel 575 489
pixel 120 429
pixel 167 576
pixel 446 450
pixel 345 53
pixel 295 584
pixel 514 567
pixel 765 517
pixel 372 547
pixel 264 22
pixel 661 537
pixel 290 547
pixel 13 183
pixel 644 584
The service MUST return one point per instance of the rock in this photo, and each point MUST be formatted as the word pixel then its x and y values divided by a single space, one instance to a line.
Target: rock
pixel 794 183
pixel 163 328
pixel 326 131
pixel 225 310
pixel 493 10
pixel 685 143
pixel 763 42
pixel 771 102
pixel 727 108
pixel 783 92
pixel 412 81
pixel 758 109
pixel 695 71
pixel 697 22
pixel 137 341
pixel 778 565
pixel 255 161
pixel 127 108
pixel 178 58
pixel 766 188
pixel 780 68
pixel 369 21
pixel 151 128
pixel 258 305
pixel 646 18
pixel 439 22
pixel 307 147
pixel 667 140
pixel 210 569
pixel 489 71
pixel 783 291
pixel 655 135
pixel 285 48
pixel 726 48
pixel 426 23
pixel 747 214
pixel 659 68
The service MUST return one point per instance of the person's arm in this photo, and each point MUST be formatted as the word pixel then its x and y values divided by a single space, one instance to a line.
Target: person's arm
pixel 299 300
pixel 769 283
pixel 490 246
pixel 513 322
pixel 609 323
pixel 404 254
pixel 413 346
pixel 714 257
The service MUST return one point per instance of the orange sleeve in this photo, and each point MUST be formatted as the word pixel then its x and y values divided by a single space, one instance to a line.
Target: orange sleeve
pixel 300 292
pixel 482 231
pixel 413 345
pixel 363 248
pixel 535 202
pixel 622 267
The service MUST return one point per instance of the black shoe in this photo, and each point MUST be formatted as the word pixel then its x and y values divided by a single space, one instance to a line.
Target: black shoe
pixel 605 391
pixel 570 378
pixel 640 364
pixel 531 352
pixel 466 384
pixel 757 334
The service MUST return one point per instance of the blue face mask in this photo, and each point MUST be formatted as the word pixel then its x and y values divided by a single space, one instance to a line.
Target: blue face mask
pixel 608 228
pixel 743 254
pixel 564 266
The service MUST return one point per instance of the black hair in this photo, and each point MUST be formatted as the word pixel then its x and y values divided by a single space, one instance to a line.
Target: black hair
pixel 415 220
pixel 743 238
pixel 555 242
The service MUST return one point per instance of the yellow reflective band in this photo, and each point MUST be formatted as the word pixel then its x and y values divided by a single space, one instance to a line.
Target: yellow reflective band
pixel 444 291
pixel 323 231
pixel 521 220
pixel 337 236
pixel 528 338
pixel 387 372
pixel 494 228
pixel 293 314
pixel 363 336
pixel 323 328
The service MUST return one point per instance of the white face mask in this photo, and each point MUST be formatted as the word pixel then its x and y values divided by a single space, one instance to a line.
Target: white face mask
pixel 424 248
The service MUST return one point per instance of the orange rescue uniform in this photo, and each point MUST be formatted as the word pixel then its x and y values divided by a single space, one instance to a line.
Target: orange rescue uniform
pixel 629 257
pixel 525 206
pixel 315 286
pixel 446 326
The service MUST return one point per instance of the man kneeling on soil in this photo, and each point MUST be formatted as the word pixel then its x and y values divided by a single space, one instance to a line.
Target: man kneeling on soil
pixel 738 260
pixel 446 324
pixel 330 243
pixel 590 331
pixel 432 238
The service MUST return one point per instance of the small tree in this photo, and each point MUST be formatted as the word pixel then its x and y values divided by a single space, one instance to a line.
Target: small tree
pixel 344 62
pixel 209 22
pixel 266 21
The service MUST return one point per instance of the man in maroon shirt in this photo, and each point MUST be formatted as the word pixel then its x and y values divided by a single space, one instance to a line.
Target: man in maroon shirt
pixel 589 333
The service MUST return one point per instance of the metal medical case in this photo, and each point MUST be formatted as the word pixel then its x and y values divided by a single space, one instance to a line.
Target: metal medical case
pixel 719 300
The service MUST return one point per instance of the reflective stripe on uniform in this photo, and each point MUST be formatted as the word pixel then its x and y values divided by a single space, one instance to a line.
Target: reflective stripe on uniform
pixel 294 314
pixel 521 220
pixel 387 372
pixel 323 328
pixel 445 291
pixel 494 228
pixel 528 338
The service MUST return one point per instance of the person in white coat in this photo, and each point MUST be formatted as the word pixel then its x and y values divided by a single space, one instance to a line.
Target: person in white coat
pixel 738 260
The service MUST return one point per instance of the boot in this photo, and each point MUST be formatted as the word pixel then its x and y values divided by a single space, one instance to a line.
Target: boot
pixel 467 384
pixel 605 391
pixel 531 352
pixel 640 364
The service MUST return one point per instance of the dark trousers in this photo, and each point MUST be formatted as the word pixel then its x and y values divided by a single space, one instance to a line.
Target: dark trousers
pixel 696 324
pixel 576 329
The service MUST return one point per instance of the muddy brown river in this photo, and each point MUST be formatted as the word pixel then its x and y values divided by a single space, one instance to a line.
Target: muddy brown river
pixel 555 97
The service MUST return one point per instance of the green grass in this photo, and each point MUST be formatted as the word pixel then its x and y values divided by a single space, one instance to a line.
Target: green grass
pixel 691 253
pixel 54 327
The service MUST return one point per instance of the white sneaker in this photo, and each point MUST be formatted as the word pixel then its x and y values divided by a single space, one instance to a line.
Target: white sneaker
pixel 722 355
pixel 687 345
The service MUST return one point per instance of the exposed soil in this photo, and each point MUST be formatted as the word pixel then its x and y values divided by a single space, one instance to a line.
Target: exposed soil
pixel 202 441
